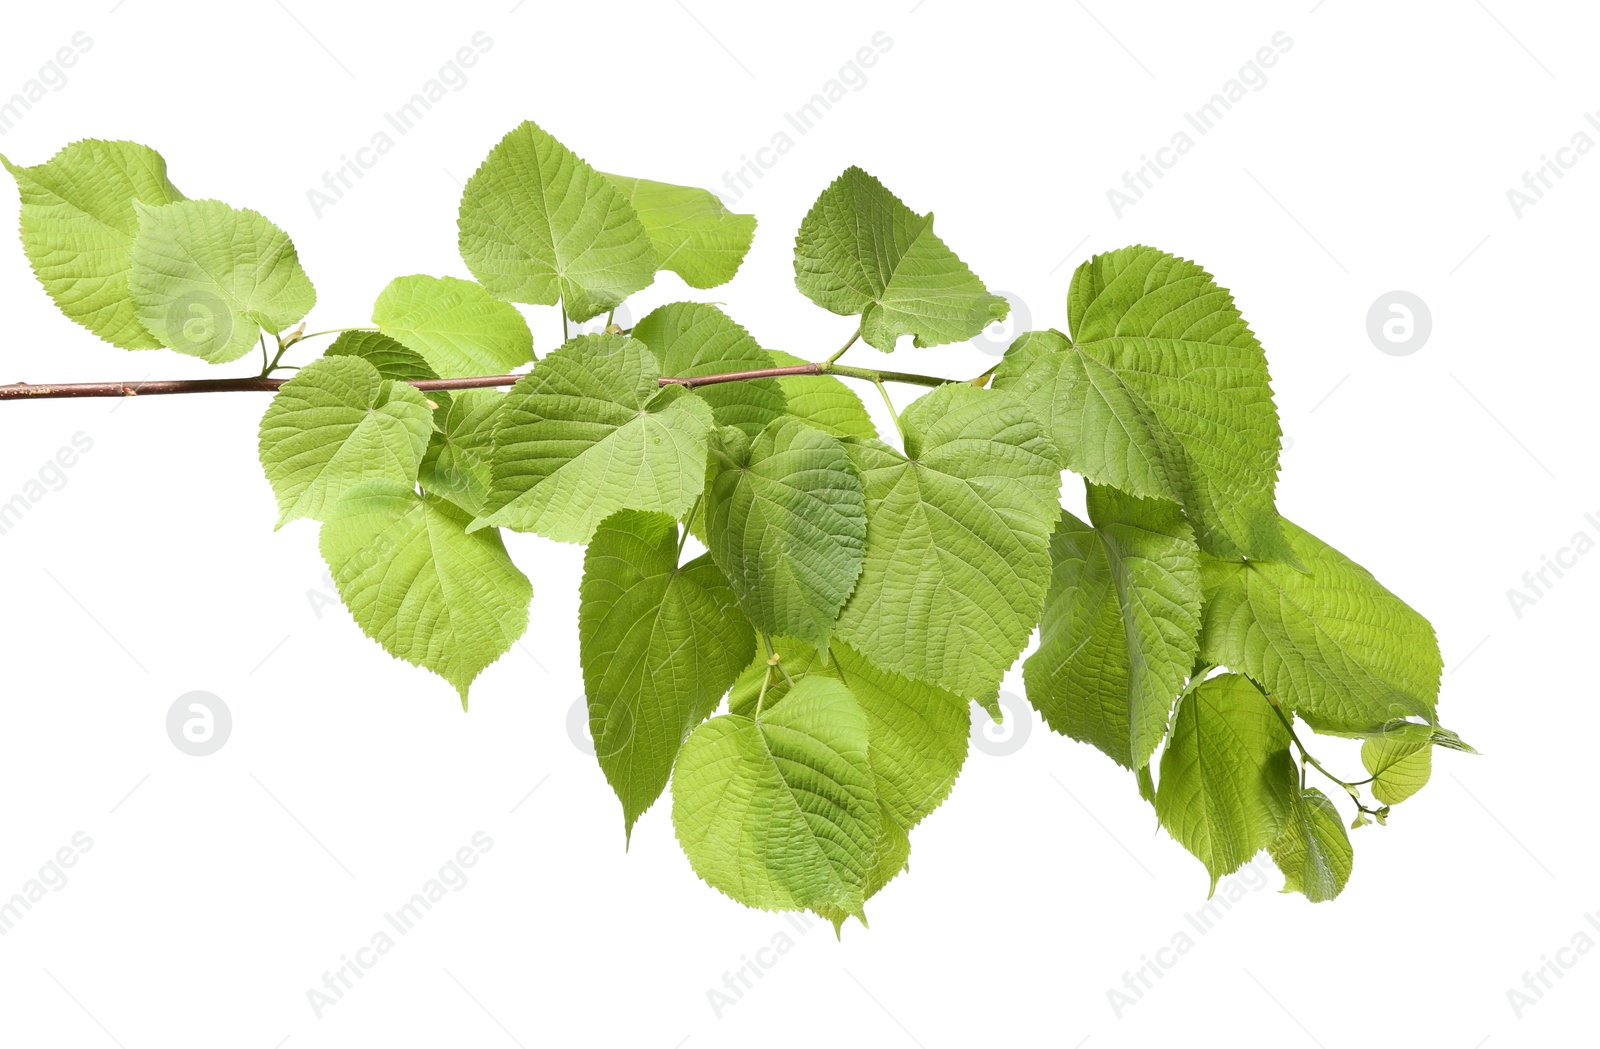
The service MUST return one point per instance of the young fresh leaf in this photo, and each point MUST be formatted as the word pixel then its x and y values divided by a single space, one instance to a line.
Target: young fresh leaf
pixel 1162 392
pixel 589 432
pixel 918 733
pixel 691 340
pixel 861 251
pixel 1399 767
pixel 786 521
pixel 1329 642
pixel 539 225
pixel 958 540
pixel 1121 625
pixel 458 462
pixel 420 586
pixel 1227 779
pixel 893 856
pixel 207 279
pixel 693 235
pixel 78 222
pixel 335 425
pixel 393 360
pixel 659 644
pixel 823 401
pixel 778 811
pixel 455 325
pixel 1313 851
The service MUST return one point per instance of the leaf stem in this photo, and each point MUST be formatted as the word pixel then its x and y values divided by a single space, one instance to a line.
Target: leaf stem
pixel 684 538
pixel 890 405
pixel 1306 758
pixel 773 659
pixel 283 347
pixel 827 364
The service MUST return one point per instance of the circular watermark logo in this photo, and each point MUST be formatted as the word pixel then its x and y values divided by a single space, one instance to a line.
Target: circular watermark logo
pixel 198 323
pixel 1008 736
pixel 1399 323
pixel 578 727
pixel 998 336
pixel 199 723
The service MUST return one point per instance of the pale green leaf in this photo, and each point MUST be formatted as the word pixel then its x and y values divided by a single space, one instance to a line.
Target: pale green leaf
pixel 207 279
pixel 1399 767
pixel 778 812
pixel 823 401
pixel 1121 624
pixel 659 644
pixel 693 235
pixel 537 225
pixel 893 856
pixel 1330 643
pixel 589 432
pixel 861 251
pixel 459 461
pixel 690 340
pixel 919 733
pixel 1227 779
pixel 334 425
pixel 958 540
pixel 393 360
pixel 786 521
pixel 798 659
pixel 1164 393
pixel 78 223
pixel 420 586
pixel 455 325
pixel 1313 851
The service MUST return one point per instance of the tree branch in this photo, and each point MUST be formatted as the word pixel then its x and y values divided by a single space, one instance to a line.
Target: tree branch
pixel 258 384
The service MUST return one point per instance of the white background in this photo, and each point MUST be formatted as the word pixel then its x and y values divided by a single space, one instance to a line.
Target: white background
pixel 218 890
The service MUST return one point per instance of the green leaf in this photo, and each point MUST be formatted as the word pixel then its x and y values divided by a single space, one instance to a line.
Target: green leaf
pixel 589 432
pixel 207 279
pixel 958 540
pixel 823 401
pixel 1164 394
pixel 918 733
pixel 334 425
pixel 393 360
pixel 690 340
pixel 799 659
pixel 455 325
pixel 458 463
pixel 786 521
pixel 659 645
pixel 1121 625
pixel 861 251
pixel 893 856
pixel 1331 643
pixel 1227 779
pixel 539 225
pixel 1399 767
pixel 1313 851
pixel 78 222
pixel 420 586
pixel 778 811
pixel 693 235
